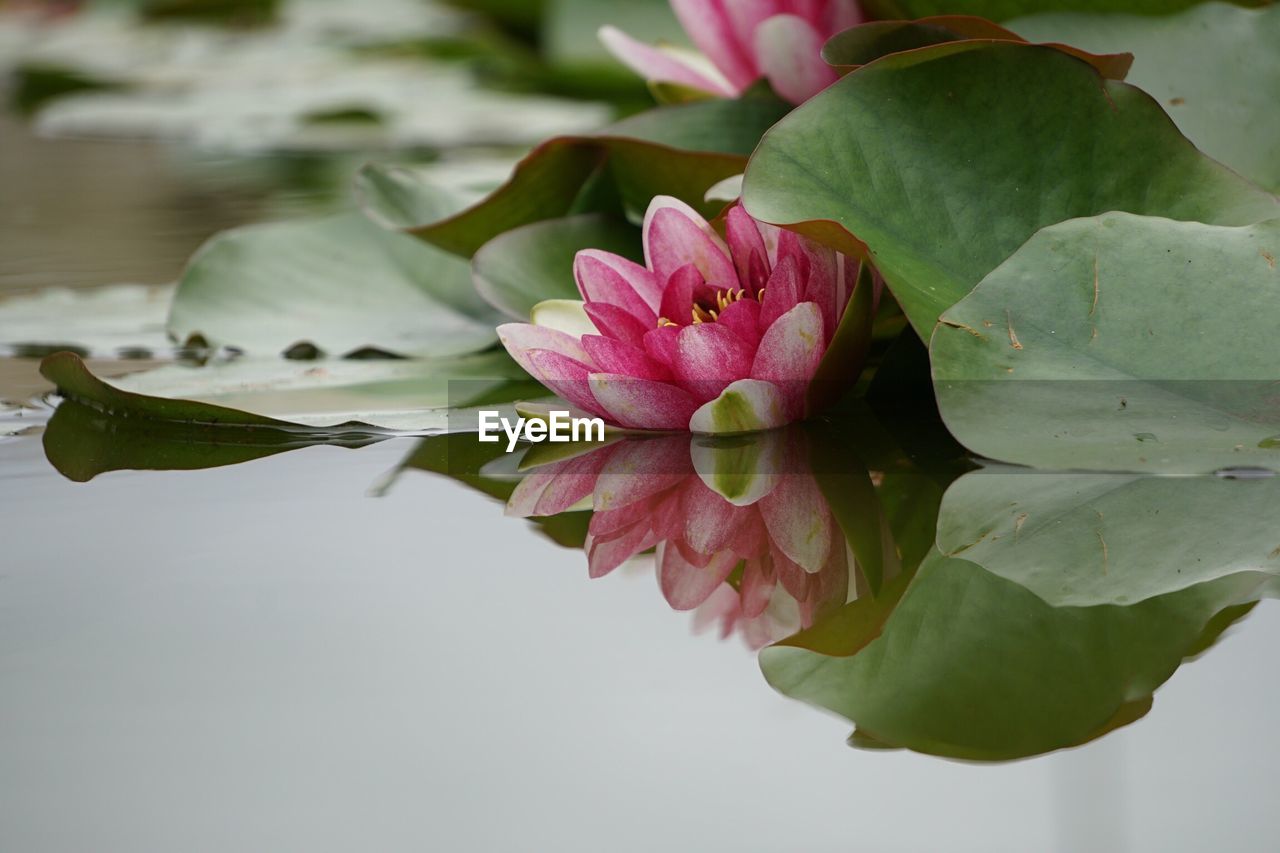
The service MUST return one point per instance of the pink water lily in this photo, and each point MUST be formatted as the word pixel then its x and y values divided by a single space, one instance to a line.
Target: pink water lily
pixel 742 41
pixel 707 337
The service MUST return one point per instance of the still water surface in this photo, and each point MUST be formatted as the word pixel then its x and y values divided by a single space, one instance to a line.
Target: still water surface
pixel 288 654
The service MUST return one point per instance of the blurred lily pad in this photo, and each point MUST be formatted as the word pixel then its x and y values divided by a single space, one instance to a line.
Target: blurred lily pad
pixel 1215 68
pixel 124 319
pixel 1120 342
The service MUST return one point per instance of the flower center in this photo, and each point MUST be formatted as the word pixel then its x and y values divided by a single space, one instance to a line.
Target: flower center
pixel 703 313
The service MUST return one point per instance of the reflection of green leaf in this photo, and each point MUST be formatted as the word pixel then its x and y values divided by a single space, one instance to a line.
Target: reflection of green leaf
pixel 1215 68
pixel 970 665
pixel 1101 330
pixel 321 399
pixel 524 266
pixel 944 160
pixel 1085 539
pixel 342 284
pixel 680 151
pixel 82 442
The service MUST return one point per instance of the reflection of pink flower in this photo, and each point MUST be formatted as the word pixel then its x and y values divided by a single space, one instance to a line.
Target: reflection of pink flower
pixel 706 337
pixel 745 40
pixel 764 565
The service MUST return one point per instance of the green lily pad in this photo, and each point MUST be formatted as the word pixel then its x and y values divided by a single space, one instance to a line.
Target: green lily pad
pixel 524 266
pixel 1001 10
pixel 1086 539
pixel 1120 343
pixel 971 665
pixel 341 284
pixel 1215 68
pixel 942 161
pixel 320 399
pixel 678 150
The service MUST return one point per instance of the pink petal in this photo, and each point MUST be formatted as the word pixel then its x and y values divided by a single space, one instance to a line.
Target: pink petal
pixel 743 319
pixel 617 357
pixel 660 344
pixel 616 323
pixel 784 288
pixel 685 585
pixel 654 64
pixel 519 338
pixel 566 376
pixel 643 403
pixel 789 51
pixel 713 31
pixel 603 277
pixel 744 241
pixel 640 469
pixel 674 235
pixel 789 353
pixel 709 356
pixel 682 287
pixel 799 520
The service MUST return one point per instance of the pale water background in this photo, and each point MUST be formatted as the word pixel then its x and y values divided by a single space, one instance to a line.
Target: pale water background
pixel 268 657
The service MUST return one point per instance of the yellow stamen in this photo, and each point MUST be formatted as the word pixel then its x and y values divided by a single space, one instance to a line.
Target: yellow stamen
pixel 663 321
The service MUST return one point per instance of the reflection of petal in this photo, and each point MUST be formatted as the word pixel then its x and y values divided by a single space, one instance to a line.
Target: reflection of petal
pixel 799 520
pixel 741 470
pixel 711 523
pixel 684 585
pixel 605 555
pixel 641 468
pixel 555 488
pixel 757 586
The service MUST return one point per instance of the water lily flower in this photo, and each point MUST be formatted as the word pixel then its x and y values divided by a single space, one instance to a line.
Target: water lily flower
pixel 742 41
pixel 709 336
pixel 742 534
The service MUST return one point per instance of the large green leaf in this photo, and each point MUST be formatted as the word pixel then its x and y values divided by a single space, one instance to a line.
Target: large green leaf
pixel 1225 101
pixel 944 160
pixel 1086 539
pixel 320 399
pixel 340 284
pixel 973 666
pixel 1120 343
pixel 1000 10
pixel 679 150
pixel 527 265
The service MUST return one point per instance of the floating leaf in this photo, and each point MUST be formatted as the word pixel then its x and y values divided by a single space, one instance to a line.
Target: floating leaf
pixel 341 284
pixel 524 266
pixel 1120 343
pixel 860 45
pixel 680 150
pixel 1001 10
pixel 323 399
pixel 1225 101
pixel 944 160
